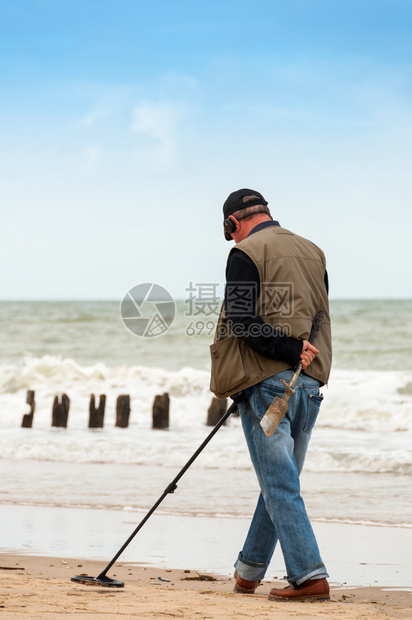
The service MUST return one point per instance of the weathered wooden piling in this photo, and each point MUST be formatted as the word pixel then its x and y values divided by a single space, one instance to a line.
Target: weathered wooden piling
pixel 60 413
pixel 160 412
pixel 123 411
pixel 216 410
pixel 96 415
pixel 27 421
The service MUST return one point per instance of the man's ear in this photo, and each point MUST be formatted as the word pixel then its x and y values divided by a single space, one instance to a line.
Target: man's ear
pixel 236 222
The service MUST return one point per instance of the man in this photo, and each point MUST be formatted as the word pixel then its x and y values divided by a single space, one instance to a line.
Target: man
pixel 276 282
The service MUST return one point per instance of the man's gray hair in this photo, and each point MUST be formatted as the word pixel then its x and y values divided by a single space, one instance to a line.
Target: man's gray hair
pixel 242 213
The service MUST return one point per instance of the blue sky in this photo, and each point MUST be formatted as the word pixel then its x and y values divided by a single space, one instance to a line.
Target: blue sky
pixel 125 124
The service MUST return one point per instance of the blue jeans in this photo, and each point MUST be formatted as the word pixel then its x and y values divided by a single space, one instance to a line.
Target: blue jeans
pixel 278 460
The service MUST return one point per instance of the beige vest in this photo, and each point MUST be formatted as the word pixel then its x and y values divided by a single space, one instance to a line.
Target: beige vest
pixel 292 291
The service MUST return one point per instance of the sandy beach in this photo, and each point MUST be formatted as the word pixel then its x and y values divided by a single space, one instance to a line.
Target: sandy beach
pixel 369 567
pixel 40 587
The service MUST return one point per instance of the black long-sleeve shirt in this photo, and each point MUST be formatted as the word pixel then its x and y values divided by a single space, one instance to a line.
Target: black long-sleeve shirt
pixel 242 292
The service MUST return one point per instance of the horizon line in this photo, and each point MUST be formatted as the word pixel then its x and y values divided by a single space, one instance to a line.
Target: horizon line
pixel 112 300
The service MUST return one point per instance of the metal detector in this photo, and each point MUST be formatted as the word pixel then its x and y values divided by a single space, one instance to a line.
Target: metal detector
pixel 102 579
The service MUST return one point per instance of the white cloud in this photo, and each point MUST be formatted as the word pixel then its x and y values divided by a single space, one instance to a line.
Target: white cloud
pixel 89 120
pixel 157 126
pixel 91 157
pixel 174 84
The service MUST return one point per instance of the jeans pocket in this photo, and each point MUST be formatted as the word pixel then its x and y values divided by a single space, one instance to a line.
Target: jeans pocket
pixel 265 396
pixel 315 401
pixel 243 407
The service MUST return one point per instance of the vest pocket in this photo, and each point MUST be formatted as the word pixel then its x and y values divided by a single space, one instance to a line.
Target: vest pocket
pixel 228 370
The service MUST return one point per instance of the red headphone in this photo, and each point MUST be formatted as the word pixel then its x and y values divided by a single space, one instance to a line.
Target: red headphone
pixel 229 226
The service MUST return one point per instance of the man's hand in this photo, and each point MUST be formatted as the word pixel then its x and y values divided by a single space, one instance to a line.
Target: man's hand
pixel 308 354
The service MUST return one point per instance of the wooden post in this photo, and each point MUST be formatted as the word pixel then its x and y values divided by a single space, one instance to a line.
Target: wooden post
pixel 216 410
pixel 96 416
pixel 160 413
pixel 27 421
pixel 60 412
pixel 123 411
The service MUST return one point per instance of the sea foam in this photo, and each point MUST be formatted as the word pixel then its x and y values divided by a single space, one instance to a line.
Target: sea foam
pixel 365 423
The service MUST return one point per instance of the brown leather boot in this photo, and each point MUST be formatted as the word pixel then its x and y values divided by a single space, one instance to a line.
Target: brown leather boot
pixel 310 590
pixel 242 586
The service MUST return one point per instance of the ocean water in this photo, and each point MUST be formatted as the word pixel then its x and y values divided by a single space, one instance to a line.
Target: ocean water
pixel 358 468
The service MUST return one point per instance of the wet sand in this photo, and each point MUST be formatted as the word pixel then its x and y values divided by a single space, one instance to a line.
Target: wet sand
pixel 370 568
pixel 355 555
